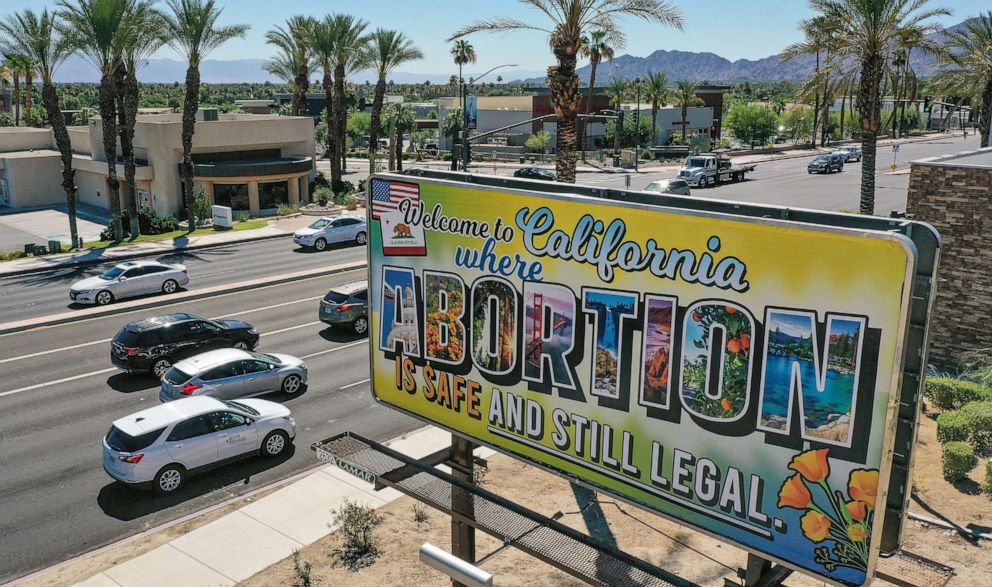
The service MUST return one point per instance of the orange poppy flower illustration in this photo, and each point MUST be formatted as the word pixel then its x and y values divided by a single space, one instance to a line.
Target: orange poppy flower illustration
pixel 812 465
pixel 857 509
pixel 863 486
pixel 794 494
pixel 726 404
pixel 857 532
pixel 815 525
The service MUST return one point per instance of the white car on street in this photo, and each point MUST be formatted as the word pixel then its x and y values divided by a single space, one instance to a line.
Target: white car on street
pixel 333 229
pixel 127 280
pixel 162 446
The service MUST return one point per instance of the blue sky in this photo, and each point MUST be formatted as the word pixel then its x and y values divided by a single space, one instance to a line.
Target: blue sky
pixel 734 29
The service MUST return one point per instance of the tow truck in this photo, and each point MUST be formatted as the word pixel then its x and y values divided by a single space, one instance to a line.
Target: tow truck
pixel 708 169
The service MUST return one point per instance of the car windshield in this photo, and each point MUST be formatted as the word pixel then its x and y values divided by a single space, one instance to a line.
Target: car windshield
pixel 124 442
pixel 265 357
pixel 112 273
pixel 335 297
pixel 695 162
pixel 320 224
pixel 821 159
pixel 176 376
pixel 242 407
pixel 657 186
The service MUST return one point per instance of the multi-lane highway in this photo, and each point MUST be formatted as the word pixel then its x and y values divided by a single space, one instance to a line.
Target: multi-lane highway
pixel 59 395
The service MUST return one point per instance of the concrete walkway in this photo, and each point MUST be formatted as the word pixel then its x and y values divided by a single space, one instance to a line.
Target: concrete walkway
pixel 278 227
pixel 260 534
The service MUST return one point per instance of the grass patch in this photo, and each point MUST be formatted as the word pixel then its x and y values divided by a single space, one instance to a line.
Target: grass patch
pixel 247 225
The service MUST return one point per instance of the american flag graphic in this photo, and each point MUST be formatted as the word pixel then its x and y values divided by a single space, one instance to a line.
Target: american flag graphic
pixel 387 195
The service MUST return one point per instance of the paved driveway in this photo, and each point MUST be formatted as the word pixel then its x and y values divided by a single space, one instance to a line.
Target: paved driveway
pixel 40 226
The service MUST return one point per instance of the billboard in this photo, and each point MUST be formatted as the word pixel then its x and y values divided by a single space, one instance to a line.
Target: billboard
pixel 471 112
pixel 739 375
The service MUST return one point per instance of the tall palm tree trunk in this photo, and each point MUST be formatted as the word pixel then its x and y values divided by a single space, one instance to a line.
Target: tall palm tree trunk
pixel 340 117
pixel 985 116
pixel 28 98
pixel 301 85
pixel 654 124
pixel 375 128
pixel 191 103
pixel 50 99
pixel 15 73
pixel 685 113
pixel 902 116
pixel 843 108
pixel 594 63
pixel 816 103
pixel 332 124
pixel 399 148
pixel 869 115
pixel 125 129
pixel 566 100
pixel 108 114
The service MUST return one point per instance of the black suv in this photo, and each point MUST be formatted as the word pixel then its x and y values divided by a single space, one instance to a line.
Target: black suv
pixel 154 344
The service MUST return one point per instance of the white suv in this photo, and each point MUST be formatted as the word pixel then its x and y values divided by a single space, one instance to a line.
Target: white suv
pixel 333 229
pixel 162 446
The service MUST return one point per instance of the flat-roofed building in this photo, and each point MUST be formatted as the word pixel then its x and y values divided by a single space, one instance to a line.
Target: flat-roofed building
pixel 248 162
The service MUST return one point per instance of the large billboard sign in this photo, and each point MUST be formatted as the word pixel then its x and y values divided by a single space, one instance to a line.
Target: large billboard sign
pixel 739 375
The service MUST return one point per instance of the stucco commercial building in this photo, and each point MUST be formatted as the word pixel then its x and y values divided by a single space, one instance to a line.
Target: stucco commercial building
pixel 248 162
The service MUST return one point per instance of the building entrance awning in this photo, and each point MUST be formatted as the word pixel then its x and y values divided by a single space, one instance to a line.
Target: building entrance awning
pixel 253 167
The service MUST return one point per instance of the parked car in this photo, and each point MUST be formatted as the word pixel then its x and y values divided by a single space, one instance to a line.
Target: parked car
pixel 332 229
pixel 849 154
pixel 164 445
pixel 233 373
pixel 825 164
pixel 347 305
pixel 669 186
pixel 153 345
pixel 535 173
pixel 128 280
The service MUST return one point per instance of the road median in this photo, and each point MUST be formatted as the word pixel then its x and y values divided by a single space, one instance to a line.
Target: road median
pixel 185 296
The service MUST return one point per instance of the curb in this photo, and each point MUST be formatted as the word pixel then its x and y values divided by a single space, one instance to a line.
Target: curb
pixel 100 312
pixel 82 263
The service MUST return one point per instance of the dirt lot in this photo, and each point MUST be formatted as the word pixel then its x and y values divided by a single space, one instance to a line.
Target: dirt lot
pixel 676 548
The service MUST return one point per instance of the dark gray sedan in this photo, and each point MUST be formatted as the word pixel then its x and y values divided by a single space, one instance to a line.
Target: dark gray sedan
pixel 233 373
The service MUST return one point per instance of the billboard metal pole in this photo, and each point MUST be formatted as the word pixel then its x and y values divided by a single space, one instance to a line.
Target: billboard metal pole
pixel 462 534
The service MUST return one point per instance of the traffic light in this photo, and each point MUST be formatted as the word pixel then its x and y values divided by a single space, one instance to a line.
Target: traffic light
pixel 620 121
pixel 713 132
pixel 926 104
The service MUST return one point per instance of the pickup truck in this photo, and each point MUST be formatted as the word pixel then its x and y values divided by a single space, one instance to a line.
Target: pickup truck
pixel 708 169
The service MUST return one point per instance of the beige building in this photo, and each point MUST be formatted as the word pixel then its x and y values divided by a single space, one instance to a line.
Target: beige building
pixel 248 162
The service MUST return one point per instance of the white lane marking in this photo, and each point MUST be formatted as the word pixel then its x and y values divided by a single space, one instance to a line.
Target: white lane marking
pixel 102 371
pixel 106 340
pixel 57 381
pixel 337 348
pixel 180 302
pixel 297 327
pixel 354 384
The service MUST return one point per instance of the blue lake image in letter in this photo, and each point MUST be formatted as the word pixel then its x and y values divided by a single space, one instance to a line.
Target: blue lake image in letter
pixel 819 407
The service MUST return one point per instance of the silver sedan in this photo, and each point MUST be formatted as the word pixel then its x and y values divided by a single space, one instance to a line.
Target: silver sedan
pixel 233 373
pixel 128 280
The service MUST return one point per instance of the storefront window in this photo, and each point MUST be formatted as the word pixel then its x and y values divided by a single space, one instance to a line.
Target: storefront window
pixel 271 195
pixel 233 195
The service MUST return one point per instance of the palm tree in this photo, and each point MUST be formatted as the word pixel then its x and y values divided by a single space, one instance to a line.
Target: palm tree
pixel 657 92
pixel 191 29
pixel 386 51
pixel 146 34
pixel 28 69
pixel 400 118
pixel 99 29
pixel 463 53
pixel 36 35
pixel 292 40
pixel 570 22
pixel 15 62
pixel 819 35
pixel 685 97
pixel 596 48
pixel 450 126
pixel 967 68
pixel 869 31
pixel 618 90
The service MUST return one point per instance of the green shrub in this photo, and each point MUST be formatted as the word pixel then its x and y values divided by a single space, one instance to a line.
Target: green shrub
pixel 148 223
pixel 357 524
pixel 948 393
pixel 322 195
pixel 987 484
pixel 343 187
pixel 285 209
pixel 958 460
pixel 952 426
pixel 978 416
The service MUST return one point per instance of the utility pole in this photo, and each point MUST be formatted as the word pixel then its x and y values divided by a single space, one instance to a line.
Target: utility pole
pixel 637 126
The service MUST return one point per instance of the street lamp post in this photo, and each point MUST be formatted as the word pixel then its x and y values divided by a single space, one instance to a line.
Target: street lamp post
pixel 466 154
pixel 637 126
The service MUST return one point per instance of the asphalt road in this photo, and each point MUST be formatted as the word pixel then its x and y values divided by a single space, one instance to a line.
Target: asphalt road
pixel 59 395
pixel 41 294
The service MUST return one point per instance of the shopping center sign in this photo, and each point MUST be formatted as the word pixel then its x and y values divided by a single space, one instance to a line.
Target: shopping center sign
pixel 739 375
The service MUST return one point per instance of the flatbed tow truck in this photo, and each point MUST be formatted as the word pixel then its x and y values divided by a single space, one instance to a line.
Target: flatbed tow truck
pixel 709 169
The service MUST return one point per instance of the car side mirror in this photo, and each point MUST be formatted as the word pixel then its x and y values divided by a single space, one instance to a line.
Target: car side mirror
pixel 122 278
pixel 249 421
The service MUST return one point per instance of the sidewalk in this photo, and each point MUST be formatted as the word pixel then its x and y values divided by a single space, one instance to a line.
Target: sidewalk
pixel 257 535
pixel 277 227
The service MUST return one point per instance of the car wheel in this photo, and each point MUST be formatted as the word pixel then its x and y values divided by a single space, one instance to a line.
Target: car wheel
pixel 169 286
pixel 292 384
pixel 361 325
pixel 320 244
pixel 169 479
pixel 161 366
pixel 242 346
pixel 274 444
pixel 361 238
pixel 103 298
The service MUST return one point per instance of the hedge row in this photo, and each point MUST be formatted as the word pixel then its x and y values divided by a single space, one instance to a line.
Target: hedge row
pixel 987 486
pixel 948 393
pixel 958 460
